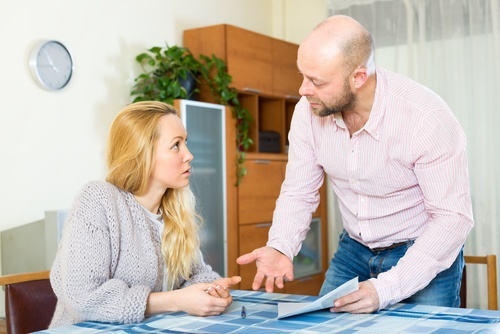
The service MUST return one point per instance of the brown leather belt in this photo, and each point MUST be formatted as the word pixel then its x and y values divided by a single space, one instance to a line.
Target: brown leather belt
pixel 381 249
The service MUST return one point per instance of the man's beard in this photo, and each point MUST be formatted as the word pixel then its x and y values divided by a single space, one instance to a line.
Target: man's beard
pixel 347 101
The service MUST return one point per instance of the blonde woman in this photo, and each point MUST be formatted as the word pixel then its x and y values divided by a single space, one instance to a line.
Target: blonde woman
pixel 130 246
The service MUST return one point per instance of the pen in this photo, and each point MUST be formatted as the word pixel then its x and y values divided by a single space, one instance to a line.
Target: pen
pixel 243 312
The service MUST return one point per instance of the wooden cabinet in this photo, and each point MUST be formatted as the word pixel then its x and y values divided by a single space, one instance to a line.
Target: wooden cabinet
pixel 309 285
pixel 256 198
pixel 286 76
pixel 259 190
pixel 249 57
pixel 265 73
pixel 270 114
pixel 257 63
pixel 252 236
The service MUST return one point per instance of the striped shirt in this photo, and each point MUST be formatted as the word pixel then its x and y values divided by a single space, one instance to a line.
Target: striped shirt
pixel 403 176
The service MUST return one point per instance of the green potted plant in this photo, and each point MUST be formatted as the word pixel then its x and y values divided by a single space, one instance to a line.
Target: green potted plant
pixel 168 73
pixel 174 73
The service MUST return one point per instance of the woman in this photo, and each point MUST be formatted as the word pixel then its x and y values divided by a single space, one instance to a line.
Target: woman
pixel 130 246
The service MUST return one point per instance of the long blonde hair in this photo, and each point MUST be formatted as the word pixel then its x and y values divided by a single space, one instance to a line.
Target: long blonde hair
pixel 130 155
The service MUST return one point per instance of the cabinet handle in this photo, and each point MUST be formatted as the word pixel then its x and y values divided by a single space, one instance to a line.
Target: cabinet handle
pixel 262 162
pixel 263 225
pixel 252 90
pixel 305 279
pixel 296 97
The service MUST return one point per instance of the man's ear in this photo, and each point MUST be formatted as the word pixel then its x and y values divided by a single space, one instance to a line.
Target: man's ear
pixel 360 76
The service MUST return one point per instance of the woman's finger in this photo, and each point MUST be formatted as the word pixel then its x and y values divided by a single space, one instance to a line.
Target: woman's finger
pixel 212 291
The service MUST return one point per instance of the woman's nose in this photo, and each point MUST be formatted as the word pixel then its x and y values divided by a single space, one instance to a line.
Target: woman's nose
pixel 188 156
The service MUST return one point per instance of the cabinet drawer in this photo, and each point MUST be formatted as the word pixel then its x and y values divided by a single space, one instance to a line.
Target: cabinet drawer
pixel 259 190
pixel 309 285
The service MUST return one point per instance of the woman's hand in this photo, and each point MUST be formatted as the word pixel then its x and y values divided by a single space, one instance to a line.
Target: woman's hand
pixel 202 299
pixel 220 287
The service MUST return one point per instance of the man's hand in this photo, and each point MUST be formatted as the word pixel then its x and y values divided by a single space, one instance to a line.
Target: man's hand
pixel 365 300
pixel 273 266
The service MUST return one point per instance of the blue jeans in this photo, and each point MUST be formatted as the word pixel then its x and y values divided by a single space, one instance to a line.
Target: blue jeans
pixel 354 259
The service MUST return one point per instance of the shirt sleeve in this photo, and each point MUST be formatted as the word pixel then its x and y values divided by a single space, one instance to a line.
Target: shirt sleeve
pixel 439 152
pixel 299 196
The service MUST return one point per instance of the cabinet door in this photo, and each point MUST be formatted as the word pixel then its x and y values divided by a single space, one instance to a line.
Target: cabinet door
pixel 249 60
pixel 206 40
pixel 205 123
pixel 256 62
pixel 259 190
pixel 286 77
pixel 251 237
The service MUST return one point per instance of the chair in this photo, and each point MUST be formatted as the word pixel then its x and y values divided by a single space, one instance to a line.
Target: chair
pixel 491 271
pixel 29 301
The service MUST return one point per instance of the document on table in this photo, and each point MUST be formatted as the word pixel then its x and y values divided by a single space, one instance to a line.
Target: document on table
pixel 289 309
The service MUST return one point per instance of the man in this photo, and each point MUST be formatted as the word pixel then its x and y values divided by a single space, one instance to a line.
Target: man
pixel 396 158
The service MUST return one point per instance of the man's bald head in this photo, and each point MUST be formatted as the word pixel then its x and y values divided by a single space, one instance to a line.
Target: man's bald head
pixel 344 36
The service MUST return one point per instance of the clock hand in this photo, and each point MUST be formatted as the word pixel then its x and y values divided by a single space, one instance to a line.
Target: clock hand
pixel 51 63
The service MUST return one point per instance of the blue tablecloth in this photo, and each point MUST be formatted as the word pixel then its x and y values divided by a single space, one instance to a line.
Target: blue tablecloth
pixel 261 312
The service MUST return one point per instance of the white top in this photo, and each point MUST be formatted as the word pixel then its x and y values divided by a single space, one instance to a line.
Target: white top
pixel 157 219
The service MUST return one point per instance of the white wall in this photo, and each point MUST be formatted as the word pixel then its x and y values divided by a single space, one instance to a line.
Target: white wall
pixel 51 143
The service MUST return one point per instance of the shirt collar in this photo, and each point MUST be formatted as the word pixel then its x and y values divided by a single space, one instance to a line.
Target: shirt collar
pixel 373 125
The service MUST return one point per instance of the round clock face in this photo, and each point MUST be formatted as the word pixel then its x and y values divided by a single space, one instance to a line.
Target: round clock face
pixel 51 65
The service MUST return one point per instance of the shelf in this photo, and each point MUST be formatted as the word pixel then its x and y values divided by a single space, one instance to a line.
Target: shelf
pixel 271 114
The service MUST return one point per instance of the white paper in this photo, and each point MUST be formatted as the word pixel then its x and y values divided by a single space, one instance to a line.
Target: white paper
pixel 289 309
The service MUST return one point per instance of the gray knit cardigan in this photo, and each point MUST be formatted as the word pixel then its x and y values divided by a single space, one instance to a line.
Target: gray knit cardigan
pixel 109 259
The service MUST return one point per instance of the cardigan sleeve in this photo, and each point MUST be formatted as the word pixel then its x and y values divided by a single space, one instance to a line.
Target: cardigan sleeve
pixel 201 273
pixel 94 276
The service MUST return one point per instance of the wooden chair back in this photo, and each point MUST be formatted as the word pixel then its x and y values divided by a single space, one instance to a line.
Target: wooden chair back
pixel 29 301
pixel 491 272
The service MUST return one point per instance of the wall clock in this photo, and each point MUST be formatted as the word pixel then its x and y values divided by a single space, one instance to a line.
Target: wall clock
pixel 51 65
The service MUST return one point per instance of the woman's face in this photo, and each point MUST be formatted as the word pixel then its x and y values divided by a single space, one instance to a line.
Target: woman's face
pixel 171 166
